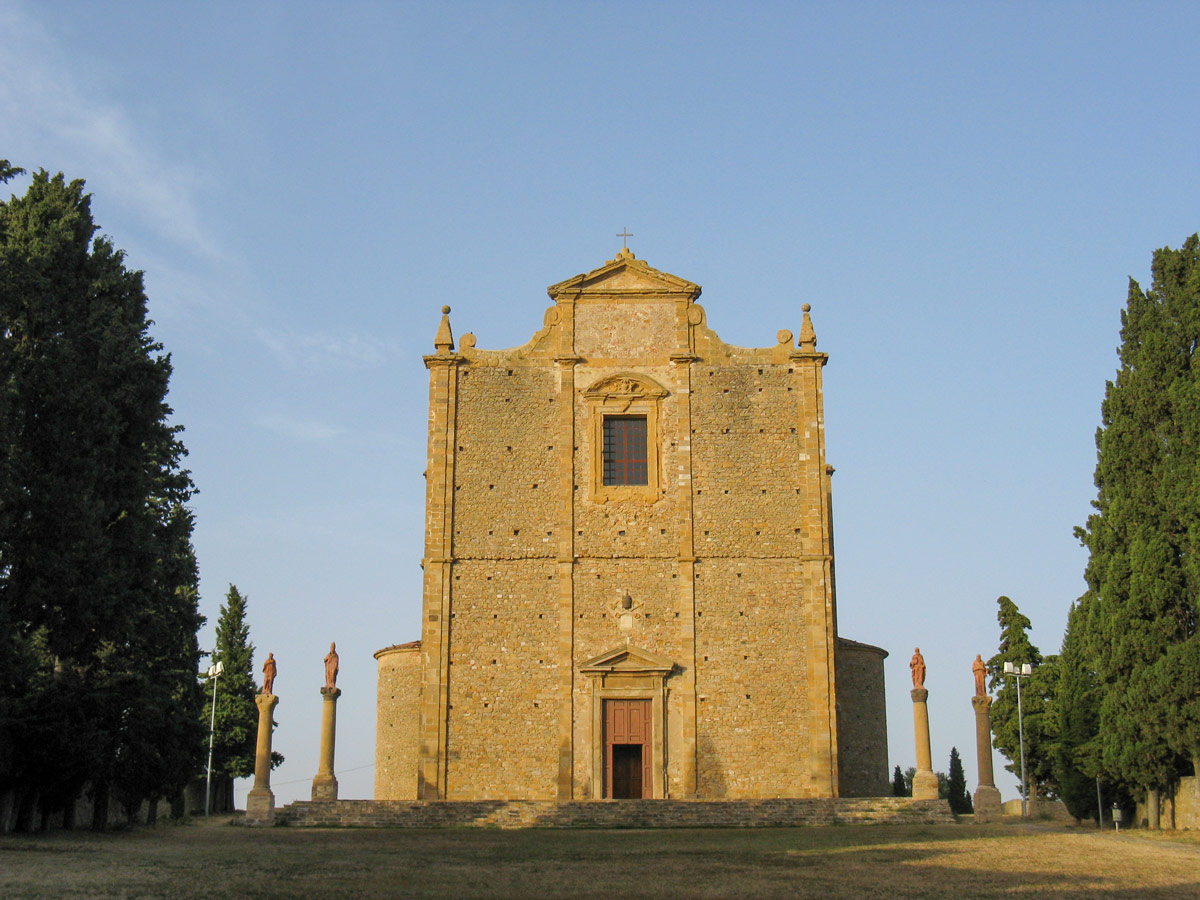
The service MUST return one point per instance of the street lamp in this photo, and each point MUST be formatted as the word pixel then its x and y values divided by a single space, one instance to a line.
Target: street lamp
pixel 1026 671
pixel 214 672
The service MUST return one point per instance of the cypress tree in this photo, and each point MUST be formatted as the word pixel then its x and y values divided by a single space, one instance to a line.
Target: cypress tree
pixel 1036 702
pixel 237 717
pixel 956 786
pixel 97 575
pixel 900 788
pixel 1077 755
pixel 1143 573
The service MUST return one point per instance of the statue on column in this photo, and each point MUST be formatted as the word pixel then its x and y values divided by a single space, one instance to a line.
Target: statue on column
pixel 987 796
pixel 331 667
pixel 917 664
pixel 269 672
pixel 980 670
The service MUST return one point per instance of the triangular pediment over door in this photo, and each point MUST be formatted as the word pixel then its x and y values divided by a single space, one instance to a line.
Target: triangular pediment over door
pixel 628 660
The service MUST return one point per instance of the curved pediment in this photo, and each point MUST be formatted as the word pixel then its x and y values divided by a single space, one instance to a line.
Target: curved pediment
pixel 626 385
pixel 628 660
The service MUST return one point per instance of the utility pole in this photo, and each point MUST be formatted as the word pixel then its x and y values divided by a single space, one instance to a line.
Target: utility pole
pixel 214 672
pixel 1025 672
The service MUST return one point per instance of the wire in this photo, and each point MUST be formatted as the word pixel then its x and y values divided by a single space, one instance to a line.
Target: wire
pixel 300 780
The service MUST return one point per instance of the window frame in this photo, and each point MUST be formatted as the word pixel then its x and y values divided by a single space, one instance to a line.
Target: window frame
pixel 625 395
pixel 624 450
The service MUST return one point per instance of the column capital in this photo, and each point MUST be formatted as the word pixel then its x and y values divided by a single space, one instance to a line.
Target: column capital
pixel 331 694
pixel 919 695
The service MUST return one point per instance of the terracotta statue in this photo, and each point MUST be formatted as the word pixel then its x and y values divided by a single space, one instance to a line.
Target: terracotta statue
pixel 331 667
pixel 917 664
pixel 980 670
pixel 269 671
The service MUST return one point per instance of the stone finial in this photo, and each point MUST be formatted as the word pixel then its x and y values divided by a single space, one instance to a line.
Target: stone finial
pixel 444 340
pixel 808 337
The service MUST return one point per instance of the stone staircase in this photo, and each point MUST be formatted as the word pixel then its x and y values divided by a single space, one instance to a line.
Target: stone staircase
pixel 614 813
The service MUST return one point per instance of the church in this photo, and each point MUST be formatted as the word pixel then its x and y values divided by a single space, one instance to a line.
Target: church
pixel 628 568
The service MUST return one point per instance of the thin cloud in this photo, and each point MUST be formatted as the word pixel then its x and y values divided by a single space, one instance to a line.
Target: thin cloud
pixel 350 351
pixel 298 428
pixel 48 114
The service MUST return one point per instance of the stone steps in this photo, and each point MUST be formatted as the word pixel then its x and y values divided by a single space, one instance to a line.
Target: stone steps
pixel 615 813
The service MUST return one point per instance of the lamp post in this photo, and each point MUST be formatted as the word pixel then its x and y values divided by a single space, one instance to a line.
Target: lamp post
pixel 214 672
pixel 1026 671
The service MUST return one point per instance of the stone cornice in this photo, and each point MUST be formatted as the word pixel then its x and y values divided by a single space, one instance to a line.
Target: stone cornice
pixel 443 360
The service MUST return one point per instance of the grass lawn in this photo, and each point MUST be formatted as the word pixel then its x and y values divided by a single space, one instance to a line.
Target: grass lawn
pixel 957 862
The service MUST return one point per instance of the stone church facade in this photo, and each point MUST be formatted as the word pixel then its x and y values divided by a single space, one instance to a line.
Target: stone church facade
pixel 628 568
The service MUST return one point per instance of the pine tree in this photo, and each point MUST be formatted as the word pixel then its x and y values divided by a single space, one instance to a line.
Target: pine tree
pixel 956 786
pixel 237 717
pixel 97 575
pixel 1143 573
pixel 1036 710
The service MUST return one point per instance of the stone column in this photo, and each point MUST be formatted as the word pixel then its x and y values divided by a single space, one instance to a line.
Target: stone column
pixel 325 785
pixel 925 783
pixel 987 797
pixel 260 804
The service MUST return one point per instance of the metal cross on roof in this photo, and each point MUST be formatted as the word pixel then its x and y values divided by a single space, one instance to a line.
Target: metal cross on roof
pixel 625 235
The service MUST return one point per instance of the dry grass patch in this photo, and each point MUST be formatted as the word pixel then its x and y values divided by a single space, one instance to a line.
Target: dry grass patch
pixel 952 862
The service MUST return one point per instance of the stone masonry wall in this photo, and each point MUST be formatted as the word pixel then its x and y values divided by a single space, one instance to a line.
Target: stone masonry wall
pixel 397 702
pixel 754 493
pixel 862 721
pixel 502 730
pixel 502 734
pixel 505 462
pixel 756 515
pixel 751 713
pixel 1178 810
pixel 624 814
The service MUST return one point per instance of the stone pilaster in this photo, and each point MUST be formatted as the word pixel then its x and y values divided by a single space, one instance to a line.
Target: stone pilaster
pixel 566 363
pixel 822 634
pixel 438 562
pixel 925 783
pixel 260 804
pixel 987 797
pixel 683 360
pixel 325 784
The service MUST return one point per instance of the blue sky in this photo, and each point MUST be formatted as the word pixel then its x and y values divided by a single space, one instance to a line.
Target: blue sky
pixel 961 191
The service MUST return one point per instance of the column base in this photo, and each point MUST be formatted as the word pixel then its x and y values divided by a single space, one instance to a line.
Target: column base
pixel 925 786
pixel 988 807
pixel 260 807
pixel 324 788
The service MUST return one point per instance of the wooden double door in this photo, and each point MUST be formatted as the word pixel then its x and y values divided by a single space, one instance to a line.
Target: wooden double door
pixel 628 757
